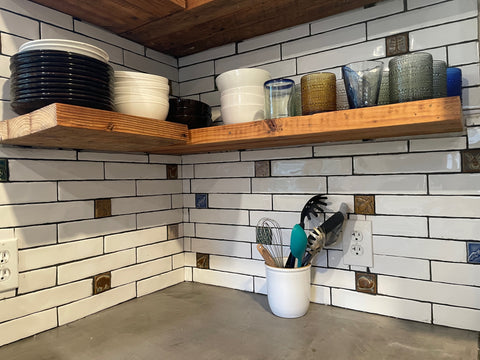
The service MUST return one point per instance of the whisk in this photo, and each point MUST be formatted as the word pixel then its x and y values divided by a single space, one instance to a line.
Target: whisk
pixel 268 234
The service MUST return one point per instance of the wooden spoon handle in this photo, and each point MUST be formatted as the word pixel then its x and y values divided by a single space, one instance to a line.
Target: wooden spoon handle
pixel 266 255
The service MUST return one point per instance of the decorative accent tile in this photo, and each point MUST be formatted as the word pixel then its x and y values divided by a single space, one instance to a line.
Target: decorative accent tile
pixel 262 168
pixel 365 204
pixel 201 201
pixel 4 170
pixel 103 208
pixel 172 171
pixel 172 231
pixel 396 44
pixel 473 252
pixel 102 282
pixel 366 283
pixel 471 160
pixel 203 261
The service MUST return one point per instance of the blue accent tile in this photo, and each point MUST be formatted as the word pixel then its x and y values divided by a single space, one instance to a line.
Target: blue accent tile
pixel 201 201
pixel 473 252
pixel 4 170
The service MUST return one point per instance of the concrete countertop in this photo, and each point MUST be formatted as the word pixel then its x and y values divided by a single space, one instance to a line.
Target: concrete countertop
pixel 195 321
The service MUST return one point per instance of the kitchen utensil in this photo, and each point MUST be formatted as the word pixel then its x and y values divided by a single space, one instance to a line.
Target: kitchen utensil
pixel 298 243
pixel 362 82
pixel 268 234
pixel 311 207
pixel 266 255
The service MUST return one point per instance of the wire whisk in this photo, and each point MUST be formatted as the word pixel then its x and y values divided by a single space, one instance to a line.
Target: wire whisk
pixel 268 234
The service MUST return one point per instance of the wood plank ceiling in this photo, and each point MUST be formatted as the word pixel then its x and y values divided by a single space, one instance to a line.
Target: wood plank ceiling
pixel 184 27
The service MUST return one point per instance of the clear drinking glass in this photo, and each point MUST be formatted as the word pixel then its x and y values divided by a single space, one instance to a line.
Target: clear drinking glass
pixel 362 82
pixel 278 98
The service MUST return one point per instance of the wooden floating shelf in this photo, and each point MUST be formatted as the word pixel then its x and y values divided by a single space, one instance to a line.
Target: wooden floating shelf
pixel 67 126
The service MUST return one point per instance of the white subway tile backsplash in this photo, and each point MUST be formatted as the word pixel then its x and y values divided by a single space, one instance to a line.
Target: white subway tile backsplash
pixel 211 157
pixel 130 205
pixel 465 53
pixel 79 309
pixel 34 170
pixel 248 59
pixel 101 156
pixel 330 166
pixel 282 153
pixel 196 71
pixel 211 98
pixel 135 171
pixel 140 271
pixel 218 278
pixel 165 159
pixel 196 86
pixel 136 238
pixel 466 274
pixel 216 52
pixel 461 229
pixel 281 69
pixel 220 186
pixel 320 295
pixel 277 185
pixel 450 143
pixel 160 282
pixel 150 66
pixel 399 225
pixel 456 317
pixel 455 184
pixel 274 38
pixel 10 46
pixel 159 187
pixel 37 280
pixel 19 25
pixel 360 148
pixel 79 190
pixel 335 259
pixel 56 254
pixel 227 232
pixel 473 134
pixel 161 249
pixel 239 266
pixel 38 12
pixel 240 201
pixel 413 4
pixel 333 277
pixel 470 100
pixel 218 247
pixel 14 152
pixel 18 193
pixel 384 184
pixel 161 57
pixel 470 75
pixel 238 217
pixel 32 236
pixel 400 266
pixel 71 231
pixel 159 218
pixel 408 163
pixel 399 308
pixel 178 260
pixel 225 170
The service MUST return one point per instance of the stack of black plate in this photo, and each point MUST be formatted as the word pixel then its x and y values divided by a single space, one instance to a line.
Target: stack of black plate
pixel 42 77
pixel 195 114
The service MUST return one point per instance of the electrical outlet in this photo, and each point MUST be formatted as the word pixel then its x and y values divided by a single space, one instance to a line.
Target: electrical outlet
pixel 8 265
pixel 357 243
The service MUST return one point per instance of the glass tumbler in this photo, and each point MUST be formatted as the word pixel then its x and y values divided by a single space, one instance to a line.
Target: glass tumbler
pixel 318 93
pixel 439 78
pixel 454 81
pixel 411 77
pixel 278 98
pixel 362 82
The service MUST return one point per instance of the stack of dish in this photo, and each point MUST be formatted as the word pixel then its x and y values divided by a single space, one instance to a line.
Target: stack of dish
pixel 141 94
pixel 195 114
pixel 242 96
pixel 70 72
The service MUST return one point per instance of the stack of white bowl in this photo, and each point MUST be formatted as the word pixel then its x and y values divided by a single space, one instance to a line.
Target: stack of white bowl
pixel 141 94
pixel 242 96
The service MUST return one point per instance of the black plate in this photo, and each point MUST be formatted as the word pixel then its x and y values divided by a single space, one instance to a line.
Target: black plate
pixel 63 95
pixel 83 86
pixel 59 87
pixel 54 55
pixel 24 107
pixel 53 76
pixel 60 82
pixel 193 122
pixel 62 72
pixel 59 92
pixel 59 67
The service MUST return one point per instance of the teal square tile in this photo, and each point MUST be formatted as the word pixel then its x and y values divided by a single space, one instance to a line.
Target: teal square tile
pixel 473 252
pixel 201 201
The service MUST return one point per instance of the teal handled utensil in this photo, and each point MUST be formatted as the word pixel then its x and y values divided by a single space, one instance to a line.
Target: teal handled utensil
pixel 298 243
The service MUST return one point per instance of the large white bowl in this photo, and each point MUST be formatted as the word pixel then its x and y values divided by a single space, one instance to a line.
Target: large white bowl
pixel 140 97
pixel 242 113
pixel 242 77
pixel 255 90
pixel 154 110
pixel 148 91
pixel 139 77
pixel 242 98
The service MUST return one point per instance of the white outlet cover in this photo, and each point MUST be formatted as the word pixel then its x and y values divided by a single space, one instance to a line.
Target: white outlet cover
pixel 351 255
pixel 10 266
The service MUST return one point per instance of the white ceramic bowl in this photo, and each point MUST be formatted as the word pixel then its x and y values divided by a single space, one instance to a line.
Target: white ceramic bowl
pixel 140 97
pixel 141 91
pixel 255 90
pixel 242 77
pixel 242 98
pixel 139 77
pixel 149 109
pixel 242 113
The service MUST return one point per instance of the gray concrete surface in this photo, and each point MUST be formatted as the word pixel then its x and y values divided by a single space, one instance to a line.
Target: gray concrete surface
pixel 195 321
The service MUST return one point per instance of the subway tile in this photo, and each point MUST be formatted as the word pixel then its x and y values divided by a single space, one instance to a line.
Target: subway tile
pixel 470 75
pixel 472 117
pixel 71 231
pixel 227 232
pixel 19 25
pixel 160 282
pixel 56 254
pixel 455 184
pixel 225 170
pixel 399 225
pixel 27 326
pixel 117 157
pixel 240 201
pixel 161 57
pixel 33 214
pixel 422 18
pixel 282 153
pixel 196 86
pixel 459 206
pixel 18 193
pixel 238 217
pixel 238 266
pixel 446 294
pixel 80 190
pixel 432 249
pixel 460 54
pixel 444 34
pixel 219 278
pixel 331 166
pixel 34 170
pixel 286 220
pixel 462 318
pixel 178 260
pixel 328 40
pixel 449 143
pixel 13 152
pixel 196 71
pixel 218 247
pixel 461 274
pixel 320 295
pixel 412 4
pixel 44 299
pixel 158 250
pixel 333 278
pixel 10 46
pixel 82 308
pixel 274 38
pixel 281 69
pixel 8 294
pixel 165 159
pixel 189 200
pixel 408 163
pixel 134 171
pixel 130 205
pixel 33 236
pixel 96 265
pixel 159 187
pixel 473 135
pixel 297 202
pixel 383 305
pixel 136 238
pixel 400 266
pixel 217 52
pixel 159 218
pixel 289 185
pixel 248 59
pixel 37 280
pixel 384 184
pixel 211 98
pixel 450 228
pixel 220 186
pixel 149 66
pixel 330 58
pixel 186 171
pixel 211 157
pixel 39 12
pixel 140 271
pixel 335 259
pixel 360 148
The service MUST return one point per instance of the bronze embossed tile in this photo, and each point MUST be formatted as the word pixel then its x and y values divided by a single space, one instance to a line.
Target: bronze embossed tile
pixel 397 44
pixel 103 208
pixel 471 160
pixel 172 171
pixel 365 204
pixel 262 168
pixel 172 231
pixel 365 282
pixel 102 282
pixel 3 170
pixel 203 261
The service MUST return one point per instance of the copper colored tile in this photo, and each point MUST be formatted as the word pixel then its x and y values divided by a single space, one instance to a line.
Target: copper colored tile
pixel 102 282
pixel 172 231
pixel 397 44
pixel 203 261
pixel 103 208
pixel 3 170
pixel 262 168
pixel 471 160
pixel 172 172
pixel 365 282
pixel 365 204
